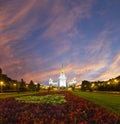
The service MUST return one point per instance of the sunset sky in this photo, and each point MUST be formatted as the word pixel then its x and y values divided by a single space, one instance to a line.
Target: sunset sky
pixel 38 36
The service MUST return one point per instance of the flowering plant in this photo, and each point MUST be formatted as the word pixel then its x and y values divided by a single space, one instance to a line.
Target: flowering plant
pixel 75 110
pixel 48 99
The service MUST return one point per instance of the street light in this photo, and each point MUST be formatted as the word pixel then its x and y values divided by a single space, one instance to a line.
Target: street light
pixel 108 83
pixel 14 86
pixel 92 85
pixel 115 81
pixel 1 84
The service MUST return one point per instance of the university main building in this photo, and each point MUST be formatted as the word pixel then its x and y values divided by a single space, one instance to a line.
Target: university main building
pixel 62 81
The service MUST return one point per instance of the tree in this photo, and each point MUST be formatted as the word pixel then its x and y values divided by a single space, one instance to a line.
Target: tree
pixel 22 86
pixel 85 85
pixel 0 71
pixel 38 87
pixel 31 86
pixel 73 87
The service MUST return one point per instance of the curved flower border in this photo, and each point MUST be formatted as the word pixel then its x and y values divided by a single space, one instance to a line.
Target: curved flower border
pixel 75 111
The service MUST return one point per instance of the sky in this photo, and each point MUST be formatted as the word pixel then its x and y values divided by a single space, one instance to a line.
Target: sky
pixel 38 36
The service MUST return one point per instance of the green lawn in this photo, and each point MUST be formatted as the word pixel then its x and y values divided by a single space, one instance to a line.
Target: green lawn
pixel 109 101
pixel 15 94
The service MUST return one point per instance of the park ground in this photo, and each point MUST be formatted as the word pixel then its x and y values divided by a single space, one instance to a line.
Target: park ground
pixel 108 100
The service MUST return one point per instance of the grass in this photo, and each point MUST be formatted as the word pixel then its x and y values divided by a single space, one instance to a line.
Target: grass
pixel 109 101
pixel 15 94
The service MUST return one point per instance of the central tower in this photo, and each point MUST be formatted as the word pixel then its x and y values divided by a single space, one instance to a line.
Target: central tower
pixel 62 79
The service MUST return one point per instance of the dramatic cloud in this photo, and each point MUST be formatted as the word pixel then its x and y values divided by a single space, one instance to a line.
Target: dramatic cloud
pixel 38 36
pixel 113 69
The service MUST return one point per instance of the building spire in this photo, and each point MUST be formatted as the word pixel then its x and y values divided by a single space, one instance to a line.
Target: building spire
pixel 62 70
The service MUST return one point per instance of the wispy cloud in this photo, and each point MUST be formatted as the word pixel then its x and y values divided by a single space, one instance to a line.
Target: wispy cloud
pixel 38 36
pixel 65 20
pixel 13 12
pixel 113 69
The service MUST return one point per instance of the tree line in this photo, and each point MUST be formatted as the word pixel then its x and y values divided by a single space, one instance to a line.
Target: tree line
pixel 109 85
pixel 8 84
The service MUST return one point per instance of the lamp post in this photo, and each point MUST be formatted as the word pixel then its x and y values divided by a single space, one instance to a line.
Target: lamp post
pixel 1 84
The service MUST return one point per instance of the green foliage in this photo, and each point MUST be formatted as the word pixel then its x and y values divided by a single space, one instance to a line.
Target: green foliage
pixel 72 87
pixel 110 85
pixel 85 85
pixel 22 86
pixel 48 99
pixel 15 94
pixel 38 87
pixel 31 86
pixel 8 83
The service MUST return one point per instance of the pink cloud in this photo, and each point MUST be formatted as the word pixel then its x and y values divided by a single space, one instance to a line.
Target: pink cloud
pixel 15 11
pixel 113 69
pixel 61 28
pixel 90 67
pixel 64 20
pixel 39 76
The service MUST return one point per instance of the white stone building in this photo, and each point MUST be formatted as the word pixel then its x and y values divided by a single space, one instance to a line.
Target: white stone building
pixel 62 81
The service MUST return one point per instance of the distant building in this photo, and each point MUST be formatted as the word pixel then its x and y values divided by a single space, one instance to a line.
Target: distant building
pixel 62 80
pixel 73 82
pixel 53 83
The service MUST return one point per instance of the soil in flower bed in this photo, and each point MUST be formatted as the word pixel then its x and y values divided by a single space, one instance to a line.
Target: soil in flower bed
pixel 74 111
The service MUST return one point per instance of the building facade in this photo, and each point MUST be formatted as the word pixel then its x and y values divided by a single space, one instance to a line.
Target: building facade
pixel 62 80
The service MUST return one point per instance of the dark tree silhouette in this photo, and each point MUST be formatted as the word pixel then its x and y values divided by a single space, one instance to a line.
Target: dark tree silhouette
pixel 0 71
pixel 31 86
pixel 38 87
pixel 85 85
pixel 22 86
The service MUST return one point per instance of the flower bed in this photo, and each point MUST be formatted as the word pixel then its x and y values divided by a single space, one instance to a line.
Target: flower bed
pixel 47 99
pixel 75 111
